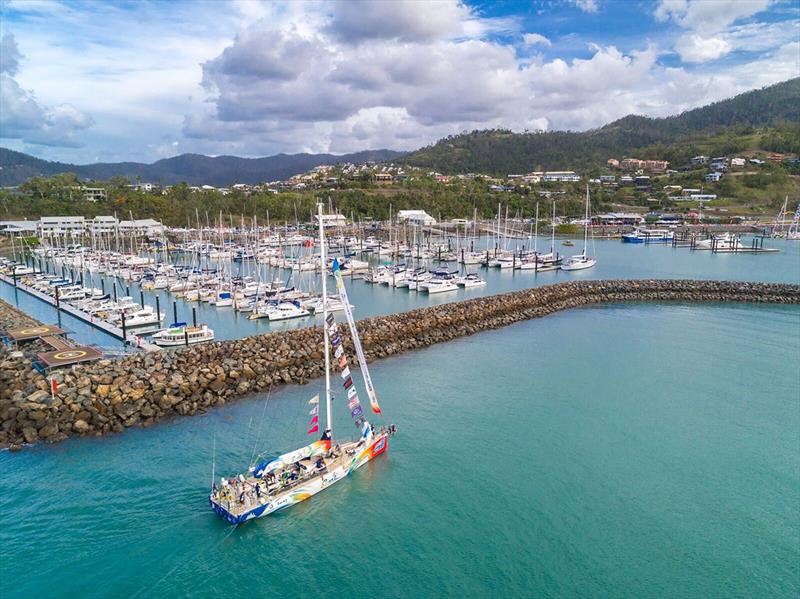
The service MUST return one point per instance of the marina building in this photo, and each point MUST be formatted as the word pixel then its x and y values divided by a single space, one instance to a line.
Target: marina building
pixel 617 218
pixel 415 217
pixel 18 228
pixel 61 226
pixel 102 225
pixel 144 226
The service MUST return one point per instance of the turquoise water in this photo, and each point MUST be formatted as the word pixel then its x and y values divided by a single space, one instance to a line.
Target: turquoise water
pixel 615 260
pixel 640 450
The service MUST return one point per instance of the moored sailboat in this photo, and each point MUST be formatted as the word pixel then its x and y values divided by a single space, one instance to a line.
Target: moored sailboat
pixel 582 260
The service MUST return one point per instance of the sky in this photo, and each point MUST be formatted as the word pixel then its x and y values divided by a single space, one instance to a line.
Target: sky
pixel 83 82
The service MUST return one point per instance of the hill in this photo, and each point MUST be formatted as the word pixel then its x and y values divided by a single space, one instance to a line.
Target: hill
pixel 775 108
pixel 195 169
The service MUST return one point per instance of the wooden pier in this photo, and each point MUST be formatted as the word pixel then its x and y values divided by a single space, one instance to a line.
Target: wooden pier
pixel 102 325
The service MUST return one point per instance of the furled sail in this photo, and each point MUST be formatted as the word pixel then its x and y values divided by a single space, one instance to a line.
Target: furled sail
pixel 362 361
pixel 287 459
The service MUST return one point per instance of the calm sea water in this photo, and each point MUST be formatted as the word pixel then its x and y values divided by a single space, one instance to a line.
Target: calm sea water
pixel 638 450
pixel 615 261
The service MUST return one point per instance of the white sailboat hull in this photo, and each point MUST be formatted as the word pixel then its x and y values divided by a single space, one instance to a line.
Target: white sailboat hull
pixel 236 513
pixel 579 264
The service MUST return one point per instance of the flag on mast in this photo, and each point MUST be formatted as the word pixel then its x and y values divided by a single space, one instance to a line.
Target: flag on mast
pixel 314 400
pixel 362 361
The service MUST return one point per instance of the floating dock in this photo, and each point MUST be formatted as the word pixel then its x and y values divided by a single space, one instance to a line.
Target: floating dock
pixel 104 326
pixel 63 353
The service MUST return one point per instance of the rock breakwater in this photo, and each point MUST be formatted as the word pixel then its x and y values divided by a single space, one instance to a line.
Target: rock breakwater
pixel 110 395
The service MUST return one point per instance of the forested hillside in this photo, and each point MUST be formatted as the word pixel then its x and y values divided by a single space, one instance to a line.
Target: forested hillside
pixel 770 117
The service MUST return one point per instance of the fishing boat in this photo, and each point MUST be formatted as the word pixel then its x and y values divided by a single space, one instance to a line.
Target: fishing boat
pixel 276 483
pixel 582 260
pixel 181 334
pixel 567 243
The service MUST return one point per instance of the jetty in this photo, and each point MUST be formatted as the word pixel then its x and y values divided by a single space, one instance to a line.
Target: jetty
pixel 107 396
pixel 107 327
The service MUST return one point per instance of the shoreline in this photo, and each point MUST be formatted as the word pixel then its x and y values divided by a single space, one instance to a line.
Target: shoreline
pixel 110 395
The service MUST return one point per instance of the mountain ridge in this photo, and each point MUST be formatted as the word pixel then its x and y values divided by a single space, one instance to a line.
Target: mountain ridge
pixel 494 151
pixel 195 169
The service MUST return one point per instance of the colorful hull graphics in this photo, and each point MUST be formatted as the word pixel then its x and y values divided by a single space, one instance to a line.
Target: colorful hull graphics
pixel 376 447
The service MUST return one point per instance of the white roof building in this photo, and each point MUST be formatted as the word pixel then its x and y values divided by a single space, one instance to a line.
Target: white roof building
pixel 415 217
pixel 61 225
pixel 143 226
pixel 102 224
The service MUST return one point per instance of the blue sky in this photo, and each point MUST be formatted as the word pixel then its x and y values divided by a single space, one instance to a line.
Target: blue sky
pixel 84 82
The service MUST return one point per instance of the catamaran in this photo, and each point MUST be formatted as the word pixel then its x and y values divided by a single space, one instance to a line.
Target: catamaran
pixel 276 483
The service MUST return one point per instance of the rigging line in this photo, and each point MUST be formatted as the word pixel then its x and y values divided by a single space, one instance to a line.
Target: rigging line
pixel 261 424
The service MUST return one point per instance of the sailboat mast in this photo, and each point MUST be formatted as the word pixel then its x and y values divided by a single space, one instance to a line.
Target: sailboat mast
pixel 586 222
pixel 323 273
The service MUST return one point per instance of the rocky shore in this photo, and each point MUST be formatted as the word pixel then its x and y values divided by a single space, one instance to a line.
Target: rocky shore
pixel 110 395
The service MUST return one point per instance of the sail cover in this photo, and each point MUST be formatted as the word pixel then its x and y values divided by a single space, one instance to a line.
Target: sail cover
pixel 362 361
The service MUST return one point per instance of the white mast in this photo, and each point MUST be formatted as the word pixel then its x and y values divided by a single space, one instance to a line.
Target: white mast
pixel 323 272
pixel 586 222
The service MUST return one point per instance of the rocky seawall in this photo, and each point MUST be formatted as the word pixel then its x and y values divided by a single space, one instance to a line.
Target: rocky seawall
pixel 138 390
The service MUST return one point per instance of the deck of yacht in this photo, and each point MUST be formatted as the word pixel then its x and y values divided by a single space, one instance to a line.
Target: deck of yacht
pixel 277 489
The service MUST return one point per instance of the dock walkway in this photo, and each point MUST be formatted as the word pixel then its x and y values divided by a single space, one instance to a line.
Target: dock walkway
pixel 104 326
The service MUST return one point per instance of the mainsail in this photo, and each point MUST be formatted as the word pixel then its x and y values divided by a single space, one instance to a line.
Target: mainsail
pixel 362 361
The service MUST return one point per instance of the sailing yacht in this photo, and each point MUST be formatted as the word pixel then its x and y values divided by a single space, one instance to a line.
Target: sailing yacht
pixel 276 483
pixel 582 260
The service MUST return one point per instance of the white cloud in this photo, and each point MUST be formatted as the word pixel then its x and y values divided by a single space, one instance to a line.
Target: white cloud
pixel 532 39
pixel 709 34
pixel 694 48
pixel 707 16
pixel 585 5
pixel 22 117
pixel 405 20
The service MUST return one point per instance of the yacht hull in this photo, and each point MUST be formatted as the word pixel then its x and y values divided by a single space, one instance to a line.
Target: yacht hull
pixel 376 447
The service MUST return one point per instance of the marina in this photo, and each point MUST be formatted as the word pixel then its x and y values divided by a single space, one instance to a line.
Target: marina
pixel 409 289
pixel 414 299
